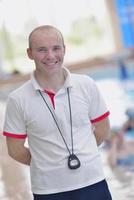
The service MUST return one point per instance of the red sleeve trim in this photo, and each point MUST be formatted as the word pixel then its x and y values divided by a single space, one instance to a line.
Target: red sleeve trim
pixel 100 118
pixel 14 135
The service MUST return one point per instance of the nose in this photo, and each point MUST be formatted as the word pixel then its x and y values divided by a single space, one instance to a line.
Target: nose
pixel 50 54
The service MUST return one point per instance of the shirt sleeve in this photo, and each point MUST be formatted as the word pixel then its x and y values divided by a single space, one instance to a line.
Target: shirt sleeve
pixel 14 124
pixel 98 108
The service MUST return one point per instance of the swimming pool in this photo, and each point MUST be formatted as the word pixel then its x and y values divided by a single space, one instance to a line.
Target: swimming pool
pixel 117 92
pixel 111 72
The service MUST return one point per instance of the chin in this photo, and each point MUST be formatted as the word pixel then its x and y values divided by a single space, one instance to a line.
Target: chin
pixel 56 67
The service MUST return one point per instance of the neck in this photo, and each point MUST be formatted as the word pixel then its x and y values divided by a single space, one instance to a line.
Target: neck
pixel 53 82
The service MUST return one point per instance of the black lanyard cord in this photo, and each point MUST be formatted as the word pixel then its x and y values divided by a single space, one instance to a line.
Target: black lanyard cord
pixel 70 111
pixel 55 120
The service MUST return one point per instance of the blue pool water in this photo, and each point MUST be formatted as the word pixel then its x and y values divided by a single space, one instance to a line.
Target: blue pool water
pixel 110 72
pixel 129 160
pixel 118 92
pixel 129 135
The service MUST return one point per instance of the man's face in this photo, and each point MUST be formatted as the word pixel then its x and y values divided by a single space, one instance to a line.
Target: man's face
pixel 47 50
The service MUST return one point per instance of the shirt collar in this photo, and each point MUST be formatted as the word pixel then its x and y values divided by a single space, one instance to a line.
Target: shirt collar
pixel 67 83
pixel 35 83
pixel 68 80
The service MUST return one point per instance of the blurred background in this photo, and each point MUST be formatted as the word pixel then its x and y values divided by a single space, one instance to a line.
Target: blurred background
pixel 99 38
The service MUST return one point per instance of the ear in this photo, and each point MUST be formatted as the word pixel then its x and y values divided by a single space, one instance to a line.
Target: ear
pixel 64 49
pixel 29 53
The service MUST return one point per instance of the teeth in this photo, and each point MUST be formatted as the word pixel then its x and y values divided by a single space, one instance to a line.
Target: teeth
pixel 50 63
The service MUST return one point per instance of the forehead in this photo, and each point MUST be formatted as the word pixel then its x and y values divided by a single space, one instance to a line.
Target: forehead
pixel 46 38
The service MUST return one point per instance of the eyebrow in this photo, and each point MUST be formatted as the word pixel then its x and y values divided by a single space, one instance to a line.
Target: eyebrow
pixel 43 47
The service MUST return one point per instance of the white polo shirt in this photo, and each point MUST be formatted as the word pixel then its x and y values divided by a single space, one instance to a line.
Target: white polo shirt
pixel 28 116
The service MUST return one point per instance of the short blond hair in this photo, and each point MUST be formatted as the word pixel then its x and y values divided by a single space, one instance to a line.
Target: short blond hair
pixel 42 28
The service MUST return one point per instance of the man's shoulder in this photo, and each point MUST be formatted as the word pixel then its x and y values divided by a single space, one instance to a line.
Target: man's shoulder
pixel 22 90
pixel 84 78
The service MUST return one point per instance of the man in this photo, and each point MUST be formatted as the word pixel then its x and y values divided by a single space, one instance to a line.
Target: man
pixel 64 118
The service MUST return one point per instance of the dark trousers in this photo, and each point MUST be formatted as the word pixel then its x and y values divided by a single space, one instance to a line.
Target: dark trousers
pixel 98 191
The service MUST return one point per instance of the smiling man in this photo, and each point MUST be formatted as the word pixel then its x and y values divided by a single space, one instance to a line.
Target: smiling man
pixel 64 118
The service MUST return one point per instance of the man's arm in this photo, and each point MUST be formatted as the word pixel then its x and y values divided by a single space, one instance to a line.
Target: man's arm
pixel 18 151
pixel 101 130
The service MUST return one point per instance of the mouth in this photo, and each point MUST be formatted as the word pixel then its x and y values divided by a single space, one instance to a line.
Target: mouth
pixel 50 63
